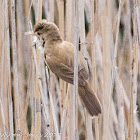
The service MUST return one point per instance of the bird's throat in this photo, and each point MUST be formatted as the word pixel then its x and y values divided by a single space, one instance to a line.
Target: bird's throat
pixel 40 43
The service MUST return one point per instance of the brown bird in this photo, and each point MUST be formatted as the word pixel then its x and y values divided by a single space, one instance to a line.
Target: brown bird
pixel 59 55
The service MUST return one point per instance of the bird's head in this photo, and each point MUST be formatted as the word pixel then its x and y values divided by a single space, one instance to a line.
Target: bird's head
pixel 47 31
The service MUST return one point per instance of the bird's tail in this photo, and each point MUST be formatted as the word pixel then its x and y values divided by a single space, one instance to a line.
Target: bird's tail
pixel 90 99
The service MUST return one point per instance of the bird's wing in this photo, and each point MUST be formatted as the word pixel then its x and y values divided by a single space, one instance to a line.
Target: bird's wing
pixel 61 62
pixel 60 69
pixel 68 48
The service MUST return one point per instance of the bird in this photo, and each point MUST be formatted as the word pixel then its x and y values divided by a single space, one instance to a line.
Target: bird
pixel 59 56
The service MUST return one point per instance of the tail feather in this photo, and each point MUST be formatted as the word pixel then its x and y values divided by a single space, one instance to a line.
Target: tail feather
pixel 90 100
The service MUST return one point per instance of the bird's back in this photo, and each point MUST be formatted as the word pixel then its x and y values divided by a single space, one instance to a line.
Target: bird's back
pixel 60 56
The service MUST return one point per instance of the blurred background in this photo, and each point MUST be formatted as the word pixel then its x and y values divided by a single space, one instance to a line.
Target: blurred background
pixel 35 104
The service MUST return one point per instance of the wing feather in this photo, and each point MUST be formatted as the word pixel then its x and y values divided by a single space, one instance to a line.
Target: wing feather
pixel 61 62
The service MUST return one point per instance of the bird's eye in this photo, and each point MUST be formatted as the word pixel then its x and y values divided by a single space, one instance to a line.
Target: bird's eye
pixel 38 33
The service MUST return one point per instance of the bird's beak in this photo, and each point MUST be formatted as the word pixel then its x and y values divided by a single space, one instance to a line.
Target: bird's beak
pixel 30 33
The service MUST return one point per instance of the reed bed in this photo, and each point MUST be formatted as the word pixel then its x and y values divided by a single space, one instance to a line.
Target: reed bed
pixel 35 104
